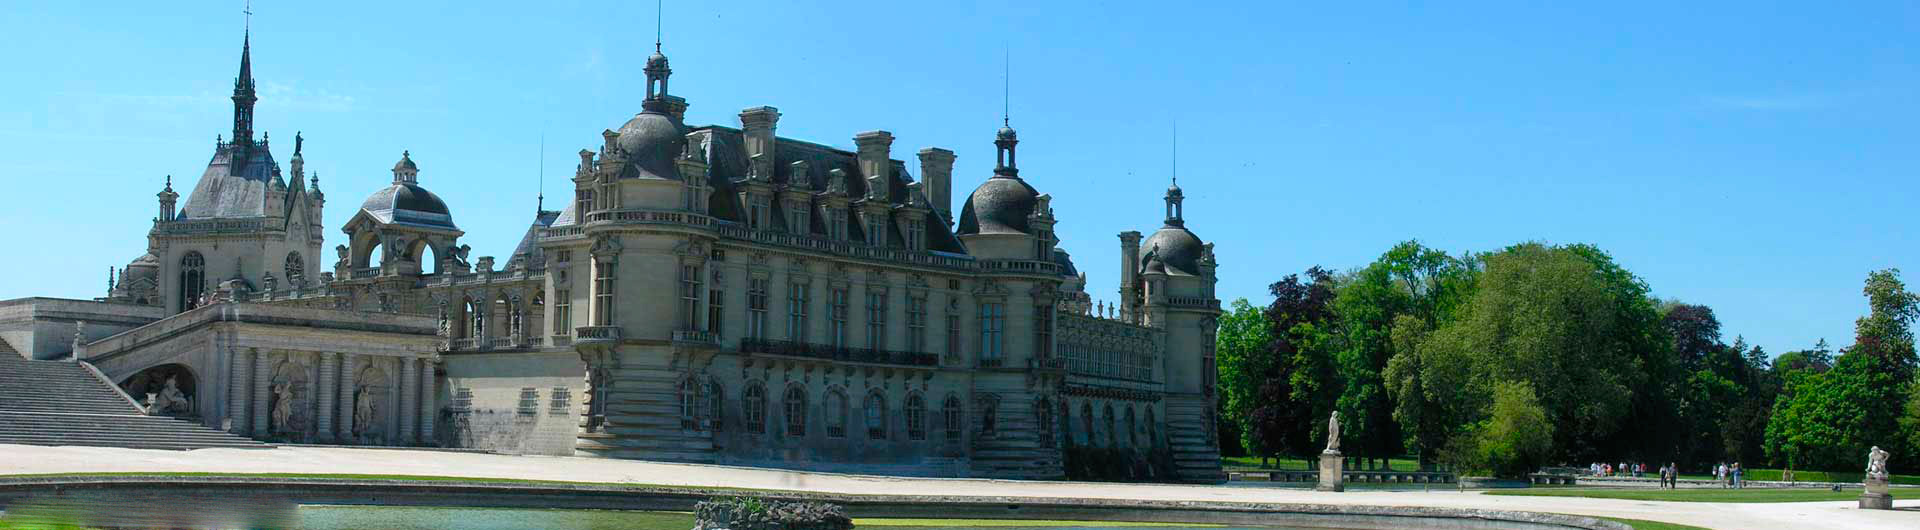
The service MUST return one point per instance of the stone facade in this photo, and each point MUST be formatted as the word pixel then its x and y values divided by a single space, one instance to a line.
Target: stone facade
pixel 710 294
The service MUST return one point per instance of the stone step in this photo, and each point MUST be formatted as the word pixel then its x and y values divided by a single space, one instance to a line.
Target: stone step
pixel 113 431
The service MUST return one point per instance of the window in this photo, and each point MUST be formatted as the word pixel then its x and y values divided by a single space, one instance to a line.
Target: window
pixel 1106 420
pixel 716 315
pixel 476 319
pixel 837 224
pixel 193 280
pixel 563 256
pixel 296 269
pixel 1129 440
pixel 1043 413
pixel 562 312
pixel 796 402
pixel 993 323
pixel 1086 423
pixel 876 416
pixel 755 403
pixel 603 292
pixel 690 297
pixel 838 300
pixel 562 402
pixel 714 407
pixel 916 324
pixel 797 300
pixel 876 318
pixel 1043 331
pixel 582 203
pixel 462 400
pixel 797 218
pixel 877 231
pixel 952 412
pixel 916 417
pixel 1153 430
pixel 529 401
pixel 757 308
pixel 756 212
pixel 689 393
pixel 953 337
pixel 916 235
pixel 989 417
pixel 836 410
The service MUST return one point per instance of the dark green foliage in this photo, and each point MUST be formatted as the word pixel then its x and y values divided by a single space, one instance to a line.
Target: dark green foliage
pixel 751 513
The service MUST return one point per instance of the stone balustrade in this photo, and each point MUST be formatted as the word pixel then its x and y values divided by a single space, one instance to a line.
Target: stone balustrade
pixel 596 335
pixel 838 353
pixel 1351 476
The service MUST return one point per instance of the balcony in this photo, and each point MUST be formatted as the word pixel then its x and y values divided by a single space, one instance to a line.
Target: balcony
pixel 596 335
pixel 838 353
pixel 695 338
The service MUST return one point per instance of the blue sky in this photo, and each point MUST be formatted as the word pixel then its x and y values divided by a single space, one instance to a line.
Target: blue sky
pixel 1759 158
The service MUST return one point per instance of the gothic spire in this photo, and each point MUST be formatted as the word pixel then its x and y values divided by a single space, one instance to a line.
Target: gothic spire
pixel 243 93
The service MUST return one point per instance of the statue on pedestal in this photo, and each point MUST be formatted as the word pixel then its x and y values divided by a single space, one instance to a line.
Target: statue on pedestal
pixel 1877 464
pixel 282 407
pixel 1333 433
pixel 362 413
pixel 169 401
pixel 1877 495
pixel 1332 467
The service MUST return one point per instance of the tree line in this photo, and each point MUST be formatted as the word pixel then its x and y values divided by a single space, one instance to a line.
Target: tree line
pixel 1536 354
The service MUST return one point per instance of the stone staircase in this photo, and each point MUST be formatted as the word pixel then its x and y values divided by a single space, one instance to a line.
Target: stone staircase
pixel 643 420
pixel 64 403
pixel 1195 459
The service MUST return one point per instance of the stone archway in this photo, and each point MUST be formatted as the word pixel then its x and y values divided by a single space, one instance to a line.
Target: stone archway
pixel 167 389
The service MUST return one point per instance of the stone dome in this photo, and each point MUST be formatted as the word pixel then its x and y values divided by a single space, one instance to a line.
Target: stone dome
pixel 1000 205
pixel 652 140
pixel 1173 249
pixel 145 266
pixel 408 203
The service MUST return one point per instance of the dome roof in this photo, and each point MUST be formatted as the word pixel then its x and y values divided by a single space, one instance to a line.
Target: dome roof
pixel 407 203
pixel 651 141
pixel 1000 205
pixel 1172 249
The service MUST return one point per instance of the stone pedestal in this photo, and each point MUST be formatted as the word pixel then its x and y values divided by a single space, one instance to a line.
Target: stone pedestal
pixel 1332 472
pixel 1876 497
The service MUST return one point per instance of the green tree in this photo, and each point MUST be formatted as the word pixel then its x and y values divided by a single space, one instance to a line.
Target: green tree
pixel 1825 420
pixel 1243 342
pixel 1516 437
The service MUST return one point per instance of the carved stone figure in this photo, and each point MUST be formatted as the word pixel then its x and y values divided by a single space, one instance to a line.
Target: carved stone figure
pixel 169 401
pixel 362 412
pixel 282 407
pixel 342 251
pixel 1877 464
pixel 1333 432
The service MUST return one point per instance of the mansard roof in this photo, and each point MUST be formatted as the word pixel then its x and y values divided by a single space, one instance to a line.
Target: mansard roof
pixel 234 184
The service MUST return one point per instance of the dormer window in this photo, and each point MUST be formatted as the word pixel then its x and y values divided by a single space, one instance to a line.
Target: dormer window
pixel 877 231
pixel 916 235
pixel 797 218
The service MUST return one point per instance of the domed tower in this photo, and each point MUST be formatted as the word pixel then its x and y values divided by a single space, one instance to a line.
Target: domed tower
pixel 401 230
pixel 1005 218
pixel 1173 278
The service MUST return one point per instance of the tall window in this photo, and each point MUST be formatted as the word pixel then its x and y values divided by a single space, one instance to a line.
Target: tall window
pixel 877 231
pixel 690 297
pixel 1106 420
pixel 582 203
pixel 953 337
pixel 876 318
pixel 836 410
pixel 1043 331
pixel 837 224
pixel 603 292
pixel 916 417
pixel 1043 413
pixel 838 300
pixel 1129 440
pixel 796 404
pixel 715 406
pixel 993 325
pixel 296 269
pixel 193 280
pixel 689 392
pixel 876 416
pixel 797 300
pixel 916 235
pixel 757 308
pixel 757 212
pixel 562 312
pixel 954 415
pixel 797 218
pixel 754 400
pixel 1153 429
pixel 989 417
pixel 916 324
pixel 716 315
pixel 1086 422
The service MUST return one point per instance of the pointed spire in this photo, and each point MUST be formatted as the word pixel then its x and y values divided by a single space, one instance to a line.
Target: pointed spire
pixel 243 90
pixel 1004 161
pixel 657 70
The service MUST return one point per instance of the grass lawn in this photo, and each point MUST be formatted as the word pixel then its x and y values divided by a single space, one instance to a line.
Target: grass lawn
pixel 1639 524
pixel 1701 495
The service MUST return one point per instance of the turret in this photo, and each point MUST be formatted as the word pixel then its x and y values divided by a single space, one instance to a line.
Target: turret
pixel 167 201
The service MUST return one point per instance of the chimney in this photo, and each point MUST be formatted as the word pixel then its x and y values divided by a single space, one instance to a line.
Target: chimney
pixel 757 124
pixel 936 169
pixel 1129 269
pixel 875 161
pixel 677 107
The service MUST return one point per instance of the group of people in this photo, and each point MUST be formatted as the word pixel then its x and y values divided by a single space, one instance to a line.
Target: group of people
pixel 1669 474
pixel 1624 469
pixel 1730 476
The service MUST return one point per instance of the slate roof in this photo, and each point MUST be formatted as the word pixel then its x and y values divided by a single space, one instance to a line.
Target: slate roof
pixel 227 189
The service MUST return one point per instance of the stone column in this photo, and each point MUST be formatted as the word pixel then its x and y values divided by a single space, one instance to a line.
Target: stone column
pixel 408 388
pixel 324 394
pixel 262 398
pixel 239 374
pixel 348 390
pixel 428 396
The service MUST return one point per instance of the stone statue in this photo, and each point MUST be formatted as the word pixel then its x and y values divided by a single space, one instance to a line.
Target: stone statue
pixel 282 406
pixel 1333 432
pixel 342 251
pixel 460 256
pixel 362 412
pixel 1877 464
pixel 169 401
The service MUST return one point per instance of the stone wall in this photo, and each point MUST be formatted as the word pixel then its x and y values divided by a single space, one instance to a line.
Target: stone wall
pixel 483 403
pixel 42 328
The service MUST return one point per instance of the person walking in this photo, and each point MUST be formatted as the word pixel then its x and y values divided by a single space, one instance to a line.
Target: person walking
pixel 1673 479
pixel 1739 476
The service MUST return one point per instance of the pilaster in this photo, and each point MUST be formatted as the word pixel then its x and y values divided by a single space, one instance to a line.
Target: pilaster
pixel 325 393
pixel 409 384
pixel 239 374
pixel 348 392
pixel 261 399
pixel 428 396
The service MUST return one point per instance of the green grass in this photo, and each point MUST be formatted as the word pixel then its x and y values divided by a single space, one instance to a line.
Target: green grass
pixel 1235 463
pixel 1700 495
pixel 1017 523
pixel 1641 524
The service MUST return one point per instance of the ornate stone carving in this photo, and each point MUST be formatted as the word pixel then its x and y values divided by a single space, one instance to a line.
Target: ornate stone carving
pixel 1333 433
pixel 169 401
pixel 1877 464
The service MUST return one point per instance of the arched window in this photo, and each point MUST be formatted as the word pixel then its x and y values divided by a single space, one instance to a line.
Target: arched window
pixel 193 280
pixel 1153 430
pixel 1043 414
pixel 876 416
pixel 1130 440
pixel 955 416
pixel 1106 420
pixel 916 417
pixel 755 403
pixel 836 410
pixel 296 269
pixel 716 402
pixel 989 416
pixel 689 404
pixel 796 402
pixel 476 318
pixel 1086 423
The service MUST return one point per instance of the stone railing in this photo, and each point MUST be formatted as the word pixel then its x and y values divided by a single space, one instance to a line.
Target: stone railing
pixel 694 337
pixel 562 341
pixel 463 344
pixel 369 272
pixel 1051 364
pixel 596 334
pixel 212 226
pixel 1201 302
pixel 565 231
pixel 650 217
pixel 1023 266
pixel 838 353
